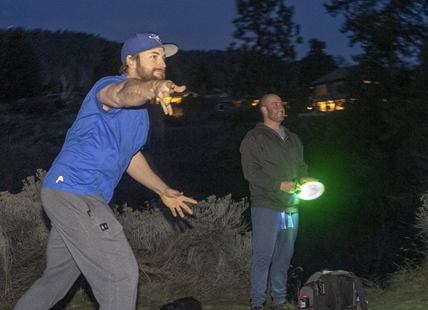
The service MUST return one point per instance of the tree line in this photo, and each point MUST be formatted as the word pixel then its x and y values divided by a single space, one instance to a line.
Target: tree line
pixel 65 63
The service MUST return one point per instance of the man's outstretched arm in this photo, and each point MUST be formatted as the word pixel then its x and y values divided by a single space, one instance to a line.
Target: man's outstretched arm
pixel 140 170
pixel 135 92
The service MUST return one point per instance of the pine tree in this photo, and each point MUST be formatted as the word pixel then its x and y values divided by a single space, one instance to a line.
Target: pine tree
pixel 265 37
pixel 391 32
pixel 266 26
pixel 316 63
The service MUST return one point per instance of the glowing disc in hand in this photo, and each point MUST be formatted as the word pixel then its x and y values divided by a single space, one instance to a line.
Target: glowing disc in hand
pixel 311 190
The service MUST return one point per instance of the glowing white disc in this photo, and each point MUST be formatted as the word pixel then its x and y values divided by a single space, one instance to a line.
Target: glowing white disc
pixel 311 190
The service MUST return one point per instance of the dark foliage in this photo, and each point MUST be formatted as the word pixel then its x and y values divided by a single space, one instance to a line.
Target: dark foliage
pixel 67 58
pixel 109 63
pixel 390 32
pixel 266 27
pixel 4 66
pixel 21 75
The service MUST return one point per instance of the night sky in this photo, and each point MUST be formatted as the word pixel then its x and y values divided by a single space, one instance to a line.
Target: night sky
pixel 191 24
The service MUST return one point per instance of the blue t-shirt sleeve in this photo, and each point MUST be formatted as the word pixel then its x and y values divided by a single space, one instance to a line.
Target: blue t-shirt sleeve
pixel 104 82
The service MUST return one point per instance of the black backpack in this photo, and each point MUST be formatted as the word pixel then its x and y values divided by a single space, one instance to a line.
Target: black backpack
pixel 333 290
pixel 185 303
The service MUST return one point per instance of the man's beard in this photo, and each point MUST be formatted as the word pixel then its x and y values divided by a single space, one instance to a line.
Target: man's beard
pixel 147 75
pixel 276 118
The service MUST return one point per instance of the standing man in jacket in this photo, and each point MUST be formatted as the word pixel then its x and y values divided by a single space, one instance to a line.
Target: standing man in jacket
pixel 104 142
pixel 272 163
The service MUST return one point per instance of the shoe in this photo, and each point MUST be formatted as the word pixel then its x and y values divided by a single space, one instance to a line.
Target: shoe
pixel 257 308
pixel 286 306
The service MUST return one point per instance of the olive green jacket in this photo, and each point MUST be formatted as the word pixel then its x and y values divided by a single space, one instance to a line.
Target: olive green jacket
pixel 267 160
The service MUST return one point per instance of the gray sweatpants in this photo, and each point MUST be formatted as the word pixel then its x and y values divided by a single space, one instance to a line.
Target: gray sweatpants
pixel 85 238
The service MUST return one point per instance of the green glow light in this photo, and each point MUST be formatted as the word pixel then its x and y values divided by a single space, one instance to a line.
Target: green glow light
pixel 310 190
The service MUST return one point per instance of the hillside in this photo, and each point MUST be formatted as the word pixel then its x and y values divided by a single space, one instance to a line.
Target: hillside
pixel 69 54
pixel 72 61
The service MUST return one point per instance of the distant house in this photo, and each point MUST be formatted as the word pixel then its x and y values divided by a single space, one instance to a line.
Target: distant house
pixel 328 92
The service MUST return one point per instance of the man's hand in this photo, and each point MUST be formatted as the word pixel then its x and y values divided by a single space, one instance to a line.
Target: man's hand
pixel 288 187
pixel 307 179
pixel 176 202
pixel 291 187
pixel 164 89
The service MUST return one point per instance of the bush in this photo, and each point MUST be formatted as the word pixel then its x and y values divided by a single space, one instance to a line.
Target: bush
pixel 206 254
pixel 421 223
pixel 23 236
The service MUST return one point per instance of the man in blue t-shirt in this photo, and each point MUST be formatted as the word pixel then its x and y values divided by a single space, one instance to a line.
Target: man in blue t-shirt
pixel 104 142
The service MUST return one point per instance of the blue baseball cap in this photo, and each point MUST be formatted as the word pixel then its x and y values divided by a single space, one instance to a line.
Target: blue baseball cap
pixel 145 41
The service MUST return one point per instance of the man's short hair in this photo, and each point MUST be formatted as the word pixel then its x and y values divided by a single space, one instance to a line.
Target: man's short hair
pixel 124 67
pixel 263 100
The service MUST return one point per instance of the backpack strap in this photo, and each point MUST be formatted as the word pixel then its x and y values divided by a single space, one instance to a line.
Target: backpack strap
pixel 361 293
pixel 359 288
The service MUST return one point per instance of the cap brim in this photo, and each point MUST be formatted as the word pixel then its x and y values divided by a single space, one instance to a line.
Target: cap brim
pixel 170 49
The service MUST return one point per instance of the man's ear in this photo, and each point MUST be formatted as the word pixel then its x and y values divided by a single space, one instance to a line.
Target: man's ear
pixel 131 62
pixel 263 110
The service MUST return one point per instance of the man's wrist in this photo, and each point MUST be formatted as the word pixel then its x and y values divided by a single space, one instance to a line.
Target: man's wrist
pixel 163 192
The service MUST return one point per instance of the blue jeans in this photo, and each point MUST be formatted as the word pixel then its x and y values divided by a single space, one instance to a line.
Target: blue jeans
pixel 273 248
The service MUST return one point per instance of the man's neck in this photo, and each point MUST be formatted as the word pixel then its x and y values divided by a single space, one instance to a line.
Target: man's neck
pixel 271 124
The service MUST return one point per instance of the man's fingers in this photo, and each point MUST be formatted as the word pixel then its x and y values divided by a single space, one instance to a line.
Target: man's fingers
pixel 182 207
pixel 190 200
pixel 188 210
pixel 177 89
pixel 180 212
pixel 167 109
pixel 179 209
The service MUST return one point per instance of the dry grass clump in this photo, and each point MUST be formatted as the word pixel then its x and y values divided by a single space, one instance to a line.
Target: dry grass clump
pixel 406 288
pixel 23 236
pixel 206 255
pixel 421 223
